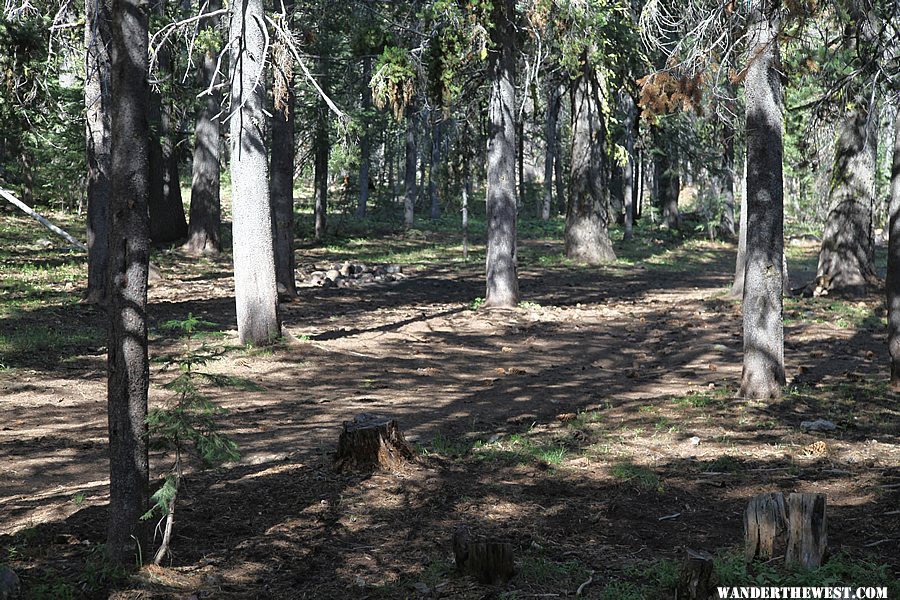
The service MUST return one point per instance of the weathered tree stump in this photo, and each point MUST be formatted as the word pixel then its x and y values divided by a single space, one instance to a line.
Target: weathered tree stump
pixel 765 526
pixel 487 561
pixel 696 578
pixel 371 442
pixel 807 539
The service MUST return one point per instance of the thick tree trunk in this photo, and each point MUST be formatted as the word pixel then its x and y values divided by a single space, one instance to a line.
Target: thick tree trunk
pixel 434 168
pixel 322 148
pixel 502 279
pixel 254 261
pixel 167 220
pixel 128 265
pixel 669 189
pixel 97 145
pixel 282 183
pixel 846 259
pixel 893 270
pixel 409 174
pixel 206 212
pixel 365 143
pixel 550 148
pixel 763 373
pixel 587 216
pixel 628 168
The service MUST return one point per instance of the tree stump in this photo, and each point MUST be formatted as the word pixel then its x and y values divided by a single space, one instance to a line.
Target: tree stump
pixel 371 442
pixel 487 561
pixel 765 526
pixel 808 539
pixel 696 578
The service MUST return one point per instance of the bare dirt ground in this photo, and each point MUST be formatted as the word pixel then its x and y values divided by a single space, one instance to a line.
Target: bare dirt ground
pixel 596 427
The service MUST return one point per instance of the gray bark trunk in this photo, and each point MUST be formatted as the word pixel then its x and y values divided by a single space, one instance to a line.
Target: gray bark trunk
pixel 550 151
pixel 669 188
pixel 846 259
pixel 502 280
pixel 254 261
pixel 322 147
pixel 587 216
pixel 128 265
pixel 365 143
pixel 409 174
pixel 282 183
pixel 763 372
pixel 737 287
pixel 205 211
pixel 167 220
pixel 727 183
pixel 893 271
pixel 434 168
pixel 628 169
pixel 558 164
pixel 97 145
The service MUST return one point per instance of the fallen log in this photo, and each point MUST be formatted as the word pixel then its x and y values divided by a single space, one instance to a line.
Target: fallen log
pixel 40 219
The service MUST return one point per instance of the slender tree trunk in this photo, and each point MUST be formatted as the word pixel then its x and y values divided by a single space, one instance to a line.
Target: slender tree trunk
pixel 97 145
pixel 628 168
pixel 846 259
pixel 254 261
pixel 740 266
pixel 587 217
pixel 128 265
pixel 893 270
pixel 322 148
pixel 206 212
pixel 763 373
pixel 558 164
pixel 167 220
pixel 501 276
pixel 727 182
pixel 434 168
pixel 365 142
pixel 641 180
pixel 520 160
pixel 550 148
pixel 409 175
pixel 282 183
pixel 669 188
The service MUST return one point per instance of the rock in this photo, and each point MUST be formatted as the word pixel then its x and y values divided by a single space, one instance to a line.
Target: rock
pixel 332 274
pixel 366 278
pixel 43 243
pixel 379 278
pixel 328 283
pixel 346 269
pixel 10 586
pixel 319 274
pixel 695 441
pixel 379 271
pixel 393 269
pixel 357 269
pixel 315 281
pixel 818 425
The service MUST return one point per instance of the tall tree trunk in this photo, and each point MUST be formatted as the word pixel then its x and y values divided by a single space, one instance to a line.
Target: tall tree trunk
pixel 206 212
pixel 846 259
pixel 587 217
pixel 409 175
pixel 282 183
pixel 434 168
pixel 97 145
pixel 502 280
pixel 365 142
pixel 167 220
pixel 726 224
pixel 550 148
pixel 669 186
pixel 893 270
pixel 128 265
pixel 763 373
pixel 740 265
pixel 254 261
pixel 520 160
pixel 322 147
pixel 628 168
pixel 558 164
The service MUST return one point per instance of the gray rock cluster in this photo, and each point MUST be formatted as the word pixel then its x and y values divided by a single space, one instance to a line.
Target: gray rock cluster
pixel 347 275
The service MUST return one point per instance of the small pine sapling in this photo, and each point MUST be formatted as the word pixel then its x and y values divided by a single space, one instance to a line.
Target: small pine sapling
pixel 185 424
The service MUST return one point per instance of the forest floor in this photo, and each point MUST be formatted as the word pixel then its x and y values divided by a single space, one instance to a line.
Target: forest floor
pixel 596 427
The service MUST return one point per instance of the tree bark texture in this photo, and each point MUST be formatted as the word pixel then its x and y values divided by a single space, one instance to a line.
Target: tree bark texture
pixel 763 370
pixel 322 147
pixel 97 144
pixel 502 279
pixel 893 270
pixel 128 265
pixel 205 211
pixel 282 176
pixel 628 168
pixel 726 224
pixel 587 215
pixel 740 264
pixel 669 189
pixel 365 142
pixel 167 220
pixel 254 261
pixel 846 259
pixel 409 174
pixel 434 170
